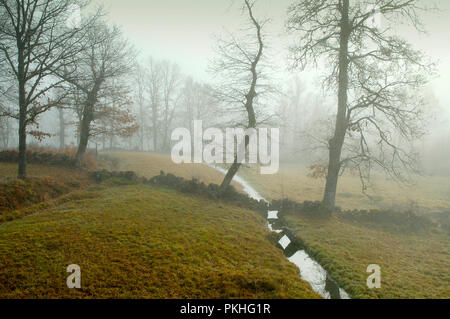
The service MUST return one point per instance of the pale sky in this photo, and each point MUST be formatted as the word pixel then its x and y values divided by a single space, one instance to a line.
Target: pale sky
pixel 183 31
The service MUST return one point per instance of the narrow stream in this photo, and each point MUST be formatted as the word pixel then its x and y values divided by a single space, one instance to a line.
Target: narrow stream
pixel 310 270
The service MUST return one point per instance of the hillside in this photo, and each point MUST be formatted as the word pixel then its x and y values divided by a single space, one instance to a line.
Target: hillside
pixel 414 265
pixel 45 185
pixel 149 164
pixel 140 241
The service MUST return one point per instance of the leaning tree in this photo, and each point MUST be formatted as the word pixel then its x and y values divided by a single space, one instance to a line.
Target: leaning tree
pixel 240 63
pixel 377 76
pixel 107 56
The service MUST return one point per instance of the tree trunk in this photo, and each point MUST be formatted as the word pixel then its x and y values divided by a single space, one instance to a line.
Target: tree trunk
pixel 22 173
pixel 154 128
pixel 86 119
pixel 22 145
pixel 236 165
pixel 84 133
pixel 229 176
pixel 335 144
pixel 62 129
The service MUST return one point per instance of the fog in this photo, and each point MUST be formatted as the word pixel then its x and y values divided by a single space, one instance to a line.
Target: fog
pixel 165 138
pixel 186 33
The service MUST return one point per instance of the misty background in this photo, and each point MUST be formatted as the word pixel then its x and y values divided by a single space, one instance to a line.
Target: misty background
pixel 183 35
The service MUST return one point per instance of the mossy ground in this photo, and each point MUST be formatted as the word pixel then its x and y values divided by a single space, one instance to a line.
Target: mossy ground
pixel 146 242
pixel 44 184
pixel 138 241
pixel 412 265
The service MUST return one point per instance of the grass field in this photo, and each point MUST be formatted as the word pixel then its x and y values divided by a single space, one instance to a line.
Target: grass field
pixel 140 241
pixel 412 265
pixel 149 165
pixel 428 194
pixel 137 241
pixel 43 186
pixel 8 171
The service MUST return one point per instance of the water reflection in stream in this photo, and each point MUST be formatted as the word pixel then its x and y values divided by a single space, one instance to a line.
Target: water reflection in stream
pixel 310 270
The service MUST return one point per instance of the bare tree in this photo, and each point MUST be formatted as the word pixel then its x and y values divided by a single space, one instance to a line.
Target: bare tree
pixel 107 56
pixel 376 75
pixel 240 63
pixel 35 41
pixel 189 101
pixel 171 77
pixel 140 98
pixel 5 131
pixel 113 116
pixel 154 84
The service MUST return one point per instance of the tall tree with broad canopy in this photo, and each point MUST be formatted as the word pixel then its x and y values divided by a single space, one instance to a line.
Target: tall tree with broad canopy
pixel 377 76
pixel 35 41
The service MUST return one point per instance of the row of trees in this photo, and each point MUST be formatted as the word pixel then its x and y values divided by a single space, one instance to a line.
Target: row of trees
pixel 88 70
pixel 49 63
pixel 376 77
pixel 165 99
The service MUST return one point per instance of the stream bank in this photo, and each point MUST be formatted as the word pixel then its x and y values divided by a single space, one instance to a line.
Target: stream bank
pixel 294 250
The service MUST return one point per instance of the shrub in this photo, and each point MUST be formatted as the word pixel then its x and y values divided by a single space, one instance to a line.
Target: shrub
pixel 307 208
pixel 64 158
pixel 406 221
pixel 40 156
pixel 193 186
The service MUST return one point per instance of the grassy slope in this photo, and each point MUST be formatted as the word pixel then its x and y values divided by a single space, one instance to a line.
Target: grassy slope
pixel 68 175
pixel 44 185
pixel 412 266
pixel 139 241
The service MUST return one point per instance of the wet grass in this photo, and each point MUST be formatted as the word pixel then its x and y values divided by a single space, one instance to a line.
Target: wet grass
pixel 8 171
pixel 412 266
pixel 138 241
pixel 143 242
